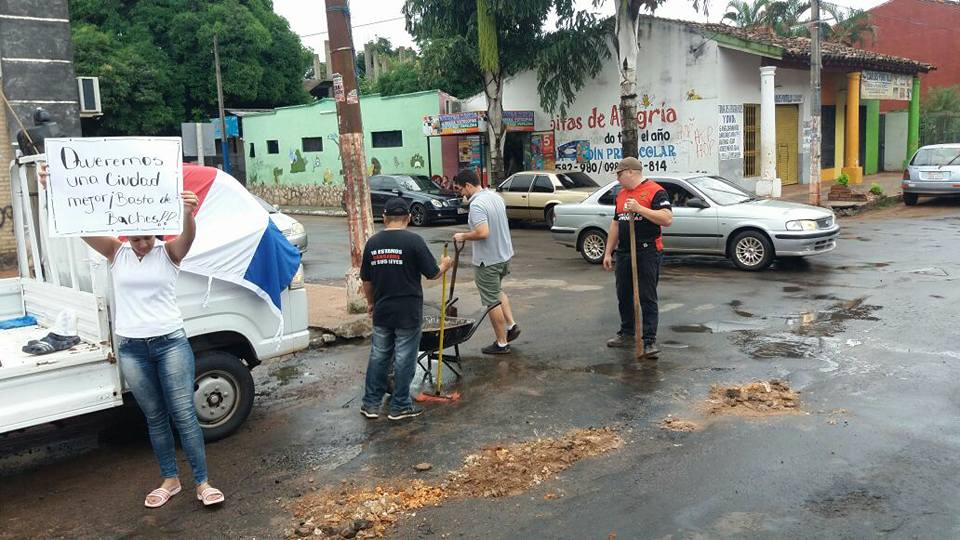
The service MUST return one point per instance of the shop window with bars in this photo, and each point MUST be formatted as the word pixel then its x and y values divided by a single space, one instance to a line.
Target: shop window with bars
pixel 751 140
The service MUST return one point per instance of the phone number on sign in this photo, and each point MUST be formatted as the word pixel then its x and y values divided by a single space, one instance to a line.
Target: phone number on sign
pixel 609 166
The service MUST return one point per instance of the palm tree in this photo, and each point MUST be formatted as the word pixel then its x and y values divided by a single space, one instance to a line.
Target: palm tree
pixel 852 27
pixel 786 17
pixel 746 14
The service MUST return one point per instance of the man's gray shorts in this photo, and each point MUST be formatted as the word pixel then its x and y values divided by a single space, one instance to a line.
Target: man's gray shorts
pixel 488 279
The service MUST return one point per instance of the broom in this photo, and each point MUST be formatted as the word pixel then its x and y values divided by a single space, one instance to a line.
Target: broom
pixel 438 395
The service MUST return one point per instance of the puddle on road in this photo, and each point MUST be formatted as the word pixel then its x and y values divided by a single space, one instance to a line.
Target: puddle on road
pixel 716 327
pixel 802 336
pixel 792 289
pixel 286 374
pixel 674 345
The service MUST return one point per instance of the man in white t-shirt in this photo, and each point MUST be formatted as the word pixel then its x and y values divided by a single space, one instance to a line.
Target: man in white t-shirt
pixel 492 251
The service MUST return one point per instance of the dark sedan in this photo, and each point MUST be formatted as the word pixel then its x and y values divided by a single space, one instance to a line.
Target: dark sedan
pixel 428 203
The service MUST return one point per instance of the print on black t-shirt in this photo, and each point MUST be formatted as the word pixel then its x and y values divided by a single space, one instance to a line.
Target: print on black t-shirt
pixel 394 261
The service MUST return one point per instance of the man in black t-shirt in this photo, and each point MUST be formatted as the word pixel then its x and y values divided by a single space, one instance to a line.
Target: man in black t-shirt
pixel 394 260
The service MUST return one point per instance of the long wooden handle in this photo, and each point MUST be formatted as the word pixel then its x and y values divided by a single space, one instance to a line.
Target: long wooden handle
pixel 637 322
pixel 443 324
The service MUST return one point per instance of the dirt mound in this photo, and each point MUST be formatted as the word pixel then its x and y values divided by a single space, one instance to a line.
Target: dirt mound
pixel 495 471
pixel 502 471
pixel 367 512
pixel 672 423
pixel 756 398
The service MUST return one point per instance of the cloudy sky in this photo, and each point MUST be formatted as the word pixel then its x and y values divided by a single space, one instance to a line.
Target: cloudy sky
pixel 384 18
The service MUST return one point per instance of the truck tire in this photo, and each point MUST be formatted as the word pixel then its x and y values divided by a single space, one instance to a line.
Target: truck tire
pixel 222 393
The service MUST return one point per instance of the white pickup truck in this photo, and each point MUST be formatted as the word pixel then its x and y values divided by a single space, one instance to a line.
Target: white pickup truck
pixel 233 333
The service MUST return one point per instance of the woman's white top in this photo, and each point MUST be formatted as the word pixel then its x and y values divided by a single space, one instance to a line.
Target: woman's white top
pixel 145 293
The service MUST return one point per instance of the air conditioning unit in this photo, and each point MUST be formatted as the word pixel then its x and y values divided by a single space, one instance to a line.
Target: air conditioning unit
pixel 89 88
pixel 452 106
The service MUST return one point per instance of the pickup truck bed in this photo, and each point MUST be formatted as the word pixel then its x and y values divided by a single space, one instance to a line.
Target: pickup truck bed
pixel 13 359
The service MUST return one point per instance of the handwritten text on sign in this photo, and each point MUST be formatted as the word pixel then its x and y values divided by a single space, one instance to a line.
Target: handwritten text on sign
pixel 116 186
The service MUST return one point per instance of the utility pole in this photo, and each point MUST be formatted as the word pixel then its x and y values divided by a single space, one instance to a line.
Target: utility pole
pixel 224 145
pixel 815 103
pixel 352 157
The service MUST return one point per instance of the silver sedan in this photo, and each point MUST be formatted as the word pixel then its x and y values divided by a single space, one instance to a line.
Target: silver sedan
pixel 712 216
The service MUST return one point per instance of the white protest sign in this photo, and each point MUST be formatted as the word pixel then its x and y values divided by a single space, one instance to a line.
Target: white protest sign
pixel 115 186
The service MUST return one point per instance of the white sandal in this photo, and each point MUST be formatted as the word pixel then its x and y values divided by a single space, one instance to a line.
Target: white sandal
pixel 163 494
pixel 210 496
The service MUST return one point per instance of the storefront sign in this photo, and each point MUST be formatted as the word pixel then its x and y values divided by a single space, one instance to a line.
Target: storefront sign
pixel 730 139
pixel 880 85
pixel 788 99
pixel 518 120
pixel 462 123
pixel 115 186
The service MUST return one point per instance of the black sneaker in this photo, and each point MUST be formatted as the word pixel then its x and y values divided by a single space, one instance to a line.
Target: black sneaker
pixel 369 412
pixel 513 333
pixel 495 348
pixel 409 412
pixel 651 349
pixel 620 341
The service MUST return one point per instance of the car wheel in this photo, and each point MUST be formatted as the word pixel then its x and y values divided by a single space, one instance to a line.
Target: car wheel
pixel 751 251
pixel 550 217
pixel 593 245
pixel 418 215
pixel 222 393
pixel 910 199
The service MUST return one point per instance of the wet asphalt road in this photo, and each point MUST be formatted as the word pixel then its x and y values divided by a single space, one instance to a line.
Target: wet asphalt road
pixel 866 333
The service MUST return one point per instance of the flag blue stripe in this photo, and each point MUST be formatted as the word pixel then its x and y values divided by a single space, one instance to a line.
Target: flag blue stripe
pixel 273 264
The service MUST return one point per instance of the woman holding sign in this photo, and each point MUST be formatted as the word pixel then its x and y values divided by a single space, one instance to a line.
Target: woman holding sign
pixel 155 357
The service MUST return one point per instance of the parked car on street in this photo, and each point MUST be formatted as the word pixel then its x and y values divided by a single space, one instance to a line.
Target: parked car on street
pixel 933 171
pixel 711 215
pixel 428 203
pixel 292 229
pixel 533 195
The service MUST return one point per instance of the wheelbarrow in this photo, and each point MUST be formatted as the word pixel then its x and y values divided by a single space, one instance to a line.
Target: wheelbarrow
pixel 457 330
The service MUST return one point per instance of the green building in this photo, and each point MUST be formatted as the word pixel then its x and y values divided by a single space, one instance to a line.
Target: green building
pixel 292 153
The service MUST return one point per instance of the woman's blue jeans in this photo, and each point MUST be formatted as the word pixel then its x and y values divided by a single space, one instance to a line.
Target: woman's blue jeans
pixel 160 373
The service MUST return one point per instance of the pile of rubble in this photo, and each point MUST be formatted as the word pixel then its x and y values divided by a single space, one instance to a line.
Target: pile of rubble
pixel 496 471
pixel 756 398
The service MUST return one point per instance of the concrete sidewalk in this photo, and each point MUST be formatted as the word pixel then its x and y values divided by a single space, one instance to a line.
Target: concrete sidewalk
pixel 327 211
pixel 327 311
pixel 888 181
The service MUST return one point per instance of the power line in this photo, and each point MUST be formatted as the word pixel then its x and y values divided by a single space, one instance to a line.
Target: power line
pixel 357 26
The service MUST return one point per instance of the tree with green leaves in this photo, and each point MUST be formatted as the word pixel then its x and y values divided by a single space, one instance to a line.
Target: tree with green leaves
pixel 486 41
pixel 786 17
pixel 852 27
pixel 746 14
pixel 155 60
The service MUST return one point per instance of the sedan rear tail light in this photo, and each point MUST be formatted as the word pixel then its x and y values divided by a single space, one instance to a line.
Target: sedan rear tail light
pixel 906 174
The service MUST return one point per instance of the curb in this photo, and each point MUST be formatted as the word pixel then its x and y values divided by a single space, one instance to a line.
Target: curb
pixel 302 212
pixel 855 210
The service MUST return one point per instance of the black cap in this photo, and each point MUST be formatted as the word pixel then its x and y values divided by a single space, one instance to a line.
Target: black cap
pixel 396 207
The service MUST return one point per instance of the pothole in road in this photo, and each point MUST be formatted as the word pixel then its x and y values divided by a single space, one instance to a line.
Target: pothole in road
pixel 860 500
pixel 500 470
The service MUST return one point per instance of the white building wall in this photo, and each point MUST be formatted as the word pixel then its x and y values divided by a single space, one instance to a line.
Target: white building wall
pixel 684 80
pixel 678 115
pixel 895 140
